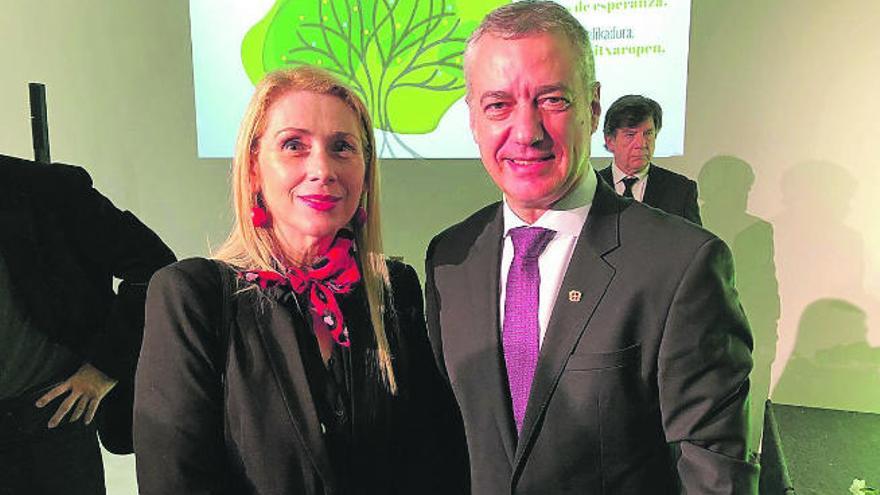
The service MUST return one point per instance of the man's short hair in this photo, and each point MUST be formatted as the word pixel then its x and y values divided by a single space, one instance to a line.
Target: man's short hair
pixel 531 17
pixel 630 111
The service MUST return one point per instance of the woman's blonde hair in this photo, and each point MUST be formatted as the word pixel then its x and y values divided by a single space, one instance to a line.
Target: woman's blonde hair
pixel 252 248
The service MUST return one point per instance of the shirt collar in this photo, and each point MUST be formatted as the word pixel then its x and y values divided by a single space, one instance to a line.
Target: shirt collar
pixel 619 175
pixel 568 214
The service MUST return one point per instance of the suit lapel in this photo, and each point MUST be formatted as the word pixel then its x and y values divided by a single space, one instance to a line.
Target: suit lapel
pixel 483 290
pixel 589 274
pixel 607 175
pixel 654 188
pixel 276 328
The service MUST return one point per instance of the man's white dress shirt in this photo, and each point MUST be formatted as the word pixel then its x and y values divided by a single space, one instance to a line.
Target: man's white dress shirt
pixel 567 218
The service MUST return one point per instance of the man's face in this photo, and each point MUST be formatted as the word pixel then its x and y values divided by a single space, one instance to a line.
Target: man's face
pixel 532 118
pixel 633 147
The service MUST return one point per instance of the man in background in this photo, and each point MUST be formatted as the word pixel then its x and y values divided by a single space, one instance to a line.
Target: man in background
pixel 594 345
pixel 631 128
pixel 66 338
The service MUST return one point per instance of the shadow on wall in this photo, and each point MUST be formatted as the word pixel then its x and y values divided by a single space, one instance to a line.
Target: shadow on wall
pixel 832 365
pixel 725 182
pixel 819 256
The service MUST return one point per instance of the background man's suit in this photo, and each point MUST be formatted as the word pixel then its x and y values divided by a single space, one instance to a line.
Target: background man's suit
pixel 63 243
pixel 671 192
pixel 641 385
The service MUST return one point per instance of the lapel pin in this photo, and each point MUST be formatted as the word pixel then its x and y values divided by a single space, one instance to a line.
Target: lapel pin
pixel 574 296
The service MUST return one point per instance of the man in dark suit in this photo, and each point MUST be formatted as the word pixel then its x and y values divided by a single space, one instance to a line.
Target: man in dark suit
pixel 594 345
pixel 66 338
pixel 632 124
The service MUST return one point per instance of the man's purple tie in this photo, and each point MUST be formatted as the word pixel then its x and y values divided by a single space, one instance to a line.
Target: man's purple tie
pixel 521 331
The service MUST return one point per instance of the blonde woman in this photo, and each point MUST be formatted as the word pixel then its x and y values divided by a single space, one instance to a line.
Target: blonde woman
pixel 296 361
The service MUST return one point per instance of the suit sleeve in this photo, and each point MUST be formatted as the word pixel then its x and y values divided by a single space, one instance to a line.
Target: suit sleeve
pixel 434 438
pixel 432 311
pixel 115 243
pixel 704 364
pixel 691 207
pixel 178 409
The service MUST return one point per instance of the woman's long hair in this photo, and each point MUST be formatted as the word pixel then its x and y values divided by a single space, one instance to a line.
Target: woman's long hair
pixel 252 248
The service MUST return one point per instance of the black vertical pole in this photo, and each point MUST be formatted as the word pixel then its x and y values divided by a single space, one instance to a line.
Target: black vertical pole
pixel 39 122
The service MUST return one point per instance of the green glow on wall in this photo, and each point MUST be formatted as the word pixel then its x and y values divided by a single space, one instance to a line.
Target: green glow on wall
pixel 403 58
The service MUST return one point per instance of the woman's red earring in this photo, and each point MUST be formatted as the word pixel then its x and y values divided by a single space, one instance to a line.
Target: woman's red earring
pixel 259 216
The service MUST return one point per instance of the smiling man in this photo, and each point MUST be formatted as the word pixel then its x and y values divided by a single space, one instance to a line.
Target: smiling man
pixel 594 345
pixel 631 128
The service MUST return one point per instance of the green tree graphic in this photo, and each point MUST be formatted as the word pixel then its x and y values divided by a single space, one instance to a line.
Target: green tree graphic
pixel 404 57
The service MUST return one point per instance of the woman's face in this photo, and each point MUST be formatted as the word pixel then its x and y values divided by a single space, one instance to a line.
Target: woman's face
pixel 310 169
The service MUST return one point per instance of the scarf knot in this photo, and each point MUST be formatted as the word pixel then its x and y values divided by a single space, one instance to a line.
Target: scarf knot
pixel 335 272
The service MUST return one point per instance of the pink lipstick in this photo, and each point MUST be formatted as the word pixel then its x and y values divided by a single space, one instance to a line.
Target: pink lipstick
pixel 320 202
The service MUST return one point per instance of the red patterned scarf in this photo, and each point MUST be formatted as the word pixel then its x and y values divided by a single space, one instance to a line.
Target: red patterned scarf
pixel 336 272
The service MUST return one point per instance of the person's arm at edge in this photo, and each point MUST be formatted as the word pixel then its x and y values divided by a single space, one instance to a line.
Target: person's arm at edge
pixel 432 310
pixel 703 369
pixel 108 236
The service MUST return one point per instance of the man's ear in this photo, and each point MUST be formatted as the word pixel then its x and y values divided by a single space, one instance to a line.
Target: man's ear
pixel 609 142
pixel 595 107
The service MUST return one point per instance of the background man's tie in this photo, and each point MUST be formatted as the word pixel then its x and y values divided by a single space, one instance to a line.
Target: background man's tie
pixel 628 183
